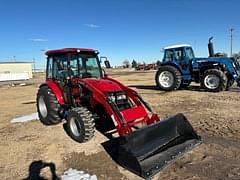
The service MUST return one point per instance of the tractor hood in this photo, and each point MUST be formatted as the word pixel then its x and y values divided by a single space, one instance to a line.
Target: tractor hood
pixel 103 85
pixel 231 63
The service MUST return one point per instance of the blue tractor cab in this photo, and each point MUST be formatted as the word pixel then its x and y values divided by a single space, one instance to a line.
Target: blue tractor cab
pixel 179 68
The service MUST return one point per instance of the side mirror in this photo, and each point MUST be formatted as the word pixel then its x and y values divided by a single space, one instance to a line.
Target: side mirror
pixel 106 61
pixel 102 59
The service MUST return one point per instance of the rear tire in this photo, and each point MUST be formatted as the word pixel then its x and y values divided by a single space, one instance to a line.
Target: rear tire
pixel 80 124
pixel 168 78
pixel 214 80
pixel 48 107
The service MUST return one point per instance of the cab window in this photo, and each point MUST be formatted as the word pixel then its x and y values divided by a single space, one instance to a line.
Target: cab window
pixel 60 67
pixel 168 55
pixel 178 54
pixel 189 53
pixel 74 64
pixel 49 67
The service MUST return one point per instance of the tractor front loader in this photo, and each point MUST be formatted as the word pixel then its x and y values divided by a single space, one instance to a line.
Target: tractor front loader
pixel 78 90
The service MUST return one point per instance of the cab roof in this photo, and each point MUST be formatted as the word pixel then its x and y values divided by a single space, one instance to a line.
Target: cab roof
pixel 70 50
pixel 177 46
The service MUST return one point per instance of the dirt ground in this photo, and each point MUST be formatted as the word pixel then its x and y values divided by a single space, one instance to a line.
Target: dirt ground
pixel 28 148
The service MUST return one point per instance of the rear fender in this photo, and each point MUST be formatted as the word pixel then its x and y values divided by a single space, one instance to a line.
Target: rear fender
pixel 174 65
pixel 211 65
pixel 56 90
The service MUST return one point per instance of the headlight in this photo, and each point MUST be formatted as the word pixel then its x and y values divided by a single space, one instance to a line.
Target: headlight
pixel 121 97
pixel 111 97
pixel 117 96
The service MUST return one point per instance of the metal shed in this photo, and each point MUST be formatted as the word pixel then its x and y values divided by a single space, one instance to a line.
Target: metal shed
pixel 10 71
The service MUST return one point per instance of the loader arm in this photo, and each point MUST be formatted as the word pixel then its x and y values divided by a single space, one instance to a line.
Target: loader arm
pixel 101 98
pixel 125 119
pixel 133 94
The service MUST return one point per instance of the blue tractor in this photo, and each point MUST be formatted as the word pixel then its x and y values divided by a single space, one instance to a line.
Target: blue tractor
pixel 179 68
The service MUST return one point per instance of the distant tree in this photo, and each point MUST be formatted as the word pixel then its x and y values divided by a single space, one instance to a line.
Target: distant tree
pixel 134 64
pixel 126 64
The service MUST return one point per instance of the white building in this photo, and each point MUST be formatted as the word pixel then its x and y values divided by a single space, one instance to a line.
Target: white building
pixel 10 71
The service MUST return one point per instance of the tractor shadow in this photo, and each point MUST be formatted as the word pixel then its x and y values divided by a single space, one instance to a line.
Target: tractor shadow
pixel 106 127
pixel 155 88
pixel 194 88
pixel 145 87
pixel 66 129
pixel 200 89
pixel 111 147
pixel 189 88
pixel 148 87
pixel 35 170
pixel 234 89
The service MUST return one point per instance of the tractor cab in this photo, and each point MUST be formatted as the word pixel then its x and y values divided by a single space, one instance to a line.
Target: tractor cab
pixel 179 55
pixel 73 62
pixel 182 52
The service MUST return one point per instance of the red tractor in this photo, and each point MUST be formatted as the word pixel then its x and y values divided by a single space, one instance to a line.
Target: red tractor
pixel 79 91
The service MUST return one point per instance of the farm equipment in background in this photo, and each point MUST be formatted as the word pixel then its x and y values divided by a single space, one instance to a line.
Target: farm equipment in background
pixel 179 68
pixel 78 90
pixel 152 66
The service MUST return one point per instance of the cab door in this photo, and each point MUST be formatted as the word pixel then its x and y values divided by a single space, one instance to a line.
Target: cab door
pixel 182 60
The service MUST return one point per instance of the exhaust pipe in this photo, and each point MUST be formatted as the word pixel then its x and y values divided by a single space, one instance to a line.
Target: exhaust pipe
pixel 210 47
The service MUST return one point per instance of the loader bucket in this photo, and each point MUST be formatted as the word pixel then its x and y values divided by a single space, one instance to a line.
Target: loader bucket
pixel 146 151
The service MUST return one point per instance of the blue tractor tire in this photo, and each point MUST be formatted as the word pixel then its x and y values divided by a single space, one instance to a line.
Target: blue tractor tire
pixel 214 80
pixel 168 78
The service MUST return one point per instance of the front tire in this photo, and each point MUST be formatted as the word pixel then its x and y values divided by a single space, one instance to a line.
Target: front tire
pixel 214 80
pixel 48 107
pixel 168 78
pixel 80 124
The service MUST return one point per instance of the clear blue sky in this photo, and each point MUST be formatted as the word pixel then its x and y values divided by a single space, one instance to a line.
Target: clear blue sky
pixel 119 29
